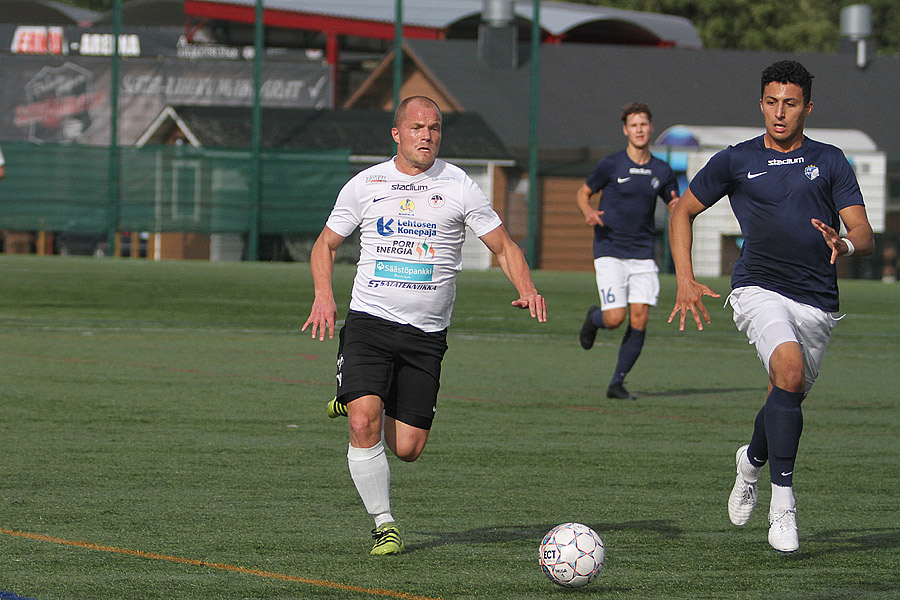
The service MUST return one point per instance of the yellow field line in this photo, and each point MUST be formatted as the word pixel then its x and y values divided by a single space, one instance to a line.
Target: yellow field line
pixel 219 566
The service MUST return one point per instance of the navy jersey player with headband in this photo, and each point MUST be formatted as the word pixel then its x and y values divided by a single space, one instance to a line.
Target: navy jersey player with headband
pixel 791 195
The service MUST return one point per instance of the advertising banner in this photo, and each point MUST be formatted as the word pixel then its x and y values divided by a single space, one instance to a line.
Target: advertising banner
pixel 57 81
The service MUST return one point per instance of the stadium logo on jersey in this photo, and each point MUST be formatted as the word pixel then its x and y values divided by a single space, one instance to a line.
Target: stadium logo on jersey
pixel 640 171
pixel 376 179
pixel 410 187
pixel 811 172
pixel 654 183
pixel 386 269
pixel 407 206
pixel 436 201
pixel 384 227
pixel 777 162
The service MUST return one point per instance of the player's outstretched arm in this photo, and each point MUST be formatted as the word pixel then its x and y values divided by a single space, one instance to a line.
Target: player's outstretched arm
pixel 689 298
pixel 515 267
pixel 859 233
pixel 323 314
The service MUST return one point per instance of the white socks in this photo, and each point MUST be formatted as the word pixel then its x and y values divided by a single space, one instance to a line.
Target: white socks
pixel 372 476
pixel 748 471
pixel 782 497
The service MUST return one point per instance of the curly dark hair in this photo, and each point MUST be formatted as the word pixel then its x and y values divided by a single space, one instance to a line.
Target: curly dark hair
pixel 636 108
pixel 788 71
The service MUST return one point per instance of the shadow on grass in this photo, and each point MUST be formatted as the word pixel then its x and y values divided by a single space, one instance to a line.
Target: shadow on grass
pixel 505 534
pixel 702 392
pixel 851 540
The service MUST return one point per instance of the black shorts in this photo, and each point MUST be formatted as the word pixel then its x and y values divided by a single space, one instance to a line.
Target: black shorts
pixel 401 364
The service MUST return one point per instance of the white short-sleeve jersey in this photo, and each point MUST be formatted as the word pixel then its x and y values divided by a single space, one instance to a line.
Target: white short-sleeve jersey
pixel 412 229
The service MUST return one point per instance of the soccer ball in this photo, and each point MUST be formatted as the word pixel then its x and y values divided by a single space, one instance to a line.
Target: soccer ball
pixel 571 555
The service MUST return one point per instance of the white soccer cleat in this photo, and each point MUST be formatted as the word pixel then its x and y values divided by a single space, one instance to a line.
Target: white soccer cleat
pixel 783 529
pixel 743 496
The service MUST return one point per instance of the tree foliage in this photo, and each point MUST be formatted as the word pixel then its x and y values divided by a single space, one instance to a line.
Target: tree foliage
pixel 803 25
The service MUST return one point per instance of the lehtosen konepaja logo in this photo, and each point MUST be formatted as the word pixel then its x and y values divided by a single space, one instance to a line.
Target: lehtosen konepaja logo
pixel 400 271
pixel 59 104
pixel 387 226
pixel 384 226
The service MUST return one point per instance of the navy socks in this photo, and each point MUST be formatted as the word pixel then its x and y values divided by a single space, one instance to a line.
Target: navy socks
pixel 776 435
pixel 597 319
pixel 629 351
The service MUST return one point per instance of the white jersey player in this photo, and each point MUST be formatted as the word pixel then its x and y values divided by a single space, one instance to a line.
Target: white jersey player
pixel 412 212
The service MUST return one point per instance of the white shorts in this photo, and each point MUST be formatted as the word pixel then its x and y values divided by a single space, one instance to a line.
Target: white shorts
pixel 624 281
pixel 769 319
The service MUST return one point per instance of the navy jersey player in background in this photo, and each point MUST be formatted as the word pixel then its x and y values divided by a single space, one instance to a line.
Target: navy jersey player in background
pixel 627 185
pixel 790 195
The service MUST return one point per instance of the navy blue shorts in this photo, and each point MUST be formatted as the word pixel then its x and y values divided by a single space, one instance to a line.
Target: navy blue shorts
pixel 401 364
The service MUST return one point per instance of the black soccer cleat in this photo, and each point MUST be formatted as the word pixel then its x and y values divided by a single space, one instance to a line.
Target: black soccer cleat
pixel 618 391
pixel 588 331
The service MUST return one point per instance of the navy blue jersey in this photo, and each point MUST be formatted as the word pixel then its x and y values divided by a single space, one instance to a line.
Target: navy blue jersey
pixel 628 203
pixel 774 195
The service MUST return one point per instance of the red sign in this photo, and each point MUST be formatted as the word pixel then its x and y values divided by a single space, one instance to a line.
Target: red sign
pixel 38 40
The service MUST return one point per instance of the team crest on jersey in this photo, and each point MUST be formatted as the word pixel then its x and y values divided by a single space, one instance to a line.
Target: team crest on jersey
pixel 436 201
pixel 376 179
pixel 811 172
pixel 407 206
pixel 655 183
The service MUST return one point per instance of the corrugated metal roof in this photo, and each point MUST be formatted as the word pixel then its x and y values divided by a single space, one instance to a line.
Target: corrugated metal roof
pixel 556 17
pixel 560 17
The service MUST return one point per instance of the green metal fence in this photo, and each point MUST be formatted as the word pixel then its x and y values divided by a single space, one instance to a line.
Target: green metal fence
pixel 52 187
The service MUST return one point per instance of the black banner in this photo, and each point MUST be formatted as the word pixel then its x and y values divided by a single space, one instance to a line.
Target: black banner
pixel 57 81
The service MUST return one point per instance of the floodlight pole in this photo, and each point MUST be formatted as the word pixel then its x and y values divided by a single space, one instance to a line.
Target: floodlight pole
pixel 398 54
pixel 531 250
pixel 398 50
pixel 255 179
pixel 114 189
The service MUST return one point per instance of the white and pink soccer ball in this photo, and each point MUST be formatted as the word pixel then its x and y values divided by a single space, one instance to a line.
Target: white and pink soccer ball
pixel 572 555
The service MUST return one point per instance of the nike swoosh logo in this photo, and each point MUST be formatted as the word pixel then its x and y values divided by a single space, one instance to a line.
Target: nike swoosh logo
pixel 623 179
pixel 379 199
pixel 783 474
pixel 755 175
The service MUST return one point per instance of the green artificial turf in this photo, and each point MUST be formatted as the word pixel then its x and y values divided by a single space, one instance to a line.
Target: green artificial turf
pixel 164 436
